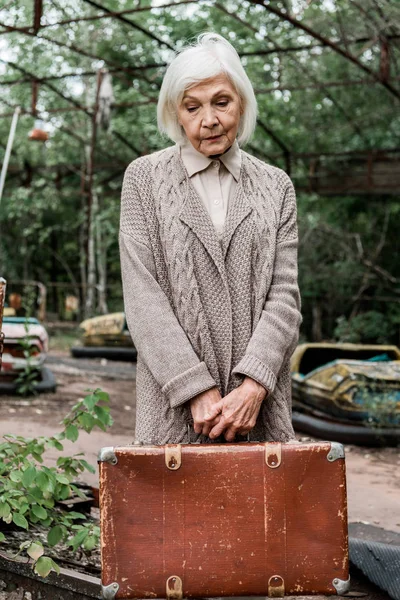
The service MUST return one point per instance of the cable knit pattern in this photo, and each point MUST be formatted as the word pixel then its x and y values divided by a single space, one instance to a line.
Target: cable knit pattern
pixel 204 311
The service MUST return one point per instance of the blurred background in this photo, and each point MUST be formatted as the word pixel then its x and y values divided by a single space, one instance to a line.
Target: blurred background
pixel 85 76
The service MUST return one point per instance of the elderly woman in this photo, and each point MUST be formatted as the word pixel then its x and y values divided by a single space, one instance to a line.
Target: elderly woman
pixel 208 243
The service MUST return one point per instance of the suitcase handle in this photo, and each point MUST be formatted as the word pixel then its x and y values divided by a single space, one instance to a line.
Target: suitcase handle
pixel 190 442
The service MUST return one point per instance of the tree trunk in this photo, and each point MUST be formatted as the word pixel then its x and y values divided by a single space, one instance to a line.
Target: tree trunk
pixel 91 260
pixel 316 322
pixel 101 257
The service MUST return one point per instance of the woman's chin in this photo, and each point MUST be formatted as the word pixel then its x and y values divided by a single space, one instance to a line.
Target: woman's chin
pixel 217 146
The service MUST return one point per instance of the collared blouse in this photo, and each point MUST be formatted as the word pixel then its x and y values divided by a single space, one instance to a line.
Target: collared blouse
pixel 213 179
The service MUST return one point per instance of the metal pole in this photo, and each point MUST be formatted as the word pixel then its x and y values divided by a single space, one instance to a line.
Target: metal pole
pixel 8 149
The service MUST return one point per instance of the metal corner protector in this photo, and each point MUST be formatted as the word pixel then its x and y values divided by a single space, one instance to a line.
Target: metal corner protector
pixel 336 451
pixel 108 592
pixel 341 586
pixel 107 454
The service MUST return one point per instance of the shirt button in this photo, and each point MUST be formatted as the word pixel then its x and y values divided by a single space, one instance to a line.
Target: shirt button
pixel 215 164
pixel 216 201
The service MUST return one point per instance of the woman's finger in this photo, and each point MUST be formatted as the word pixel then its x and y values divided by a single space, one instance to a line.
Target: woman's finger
pixel 197 427
pixel 218 429
pixel 208 426
pixel 213 412
pixel 230 435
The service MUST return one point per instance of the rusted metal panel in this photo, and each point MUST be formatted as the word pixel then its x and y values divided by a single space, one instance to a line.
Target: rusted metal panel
pixel 351 382
pixel 232 520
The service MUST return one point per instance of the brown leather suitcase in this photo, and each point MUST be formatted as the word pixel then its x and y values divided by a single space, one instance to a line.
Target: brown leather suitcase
pixel 212 520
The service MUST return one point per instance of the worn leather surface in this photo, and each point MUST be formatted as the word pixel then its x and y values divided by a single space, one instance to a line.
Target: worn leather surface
pixel 224 522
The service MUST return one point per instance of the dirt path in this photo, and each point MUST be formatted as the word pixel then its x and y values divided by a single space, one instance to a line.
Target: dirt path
pixel 373 475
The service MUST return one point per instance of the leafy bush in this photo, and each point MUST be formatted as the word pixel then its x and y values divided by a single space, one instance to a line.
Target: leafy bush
pixel 29 490
pixel 369 327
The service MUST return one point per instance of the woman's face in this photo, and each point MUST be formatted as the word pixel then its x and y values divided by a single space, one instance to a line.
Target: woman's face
pixel 210 113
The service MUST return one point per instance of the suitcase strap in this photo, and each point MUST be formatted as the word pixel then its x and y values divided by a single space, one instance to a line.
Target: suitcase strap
pixel 275 518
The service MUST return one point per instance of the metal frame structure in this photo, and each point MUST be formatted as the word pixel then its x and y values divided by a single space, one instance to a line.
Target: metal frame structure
pixel 387 38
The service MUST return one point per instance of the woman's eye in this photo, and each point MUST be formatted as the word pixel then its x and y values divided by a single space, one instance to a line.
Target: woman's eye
pixel 222 103
pixel 191 108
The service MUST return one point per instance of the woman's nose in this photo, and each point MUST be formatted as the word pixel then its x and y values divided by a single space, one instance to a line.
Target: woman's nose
pixel 209 117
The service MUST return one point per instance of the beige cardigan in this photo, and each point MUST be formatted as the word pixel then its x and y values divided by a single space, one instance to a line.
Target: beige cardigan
pixel 203 312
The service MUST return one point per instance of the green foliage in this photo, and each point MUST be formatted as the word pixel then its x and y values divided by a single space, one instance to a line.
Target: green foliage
pixel 369 327
pixel 29 490
pixel 307 126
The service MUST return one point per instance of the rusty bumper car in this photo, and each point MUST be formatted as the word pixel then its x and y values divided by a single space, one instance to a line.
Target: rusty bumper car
pixel 15 356
pixel 106 337
pixel 348 393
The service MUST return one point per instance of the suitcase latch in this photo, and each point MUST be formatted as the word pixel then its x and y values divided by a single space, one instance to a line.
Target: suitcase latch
pixel 173 456
pixel 276 587
pixel 174 588
pixel 273 454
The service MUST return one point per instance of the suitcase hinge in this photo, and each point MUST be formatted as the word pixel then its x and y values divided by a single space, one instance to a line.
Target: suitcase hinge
pixel 173 456
pixel 107 454
pixel 341 586
pixel 273 454
pixel 276 587
pixel 174 588
pixel 336 451
pixel 108 592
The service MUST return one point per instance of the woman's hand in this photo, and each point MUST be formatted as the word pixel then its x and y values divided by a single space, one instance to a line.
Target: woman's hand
pixel 202 406
pixel 239 410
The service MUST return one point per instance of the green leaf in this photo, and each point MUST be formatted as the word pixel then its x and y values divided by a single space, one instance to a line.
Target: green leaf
pixel 43 566
pixel 20 520
pixel 88 466
pixel 90 401
pixel 104 396
pixel 79 538
pixel 90 542
pixel 72 433
pixel 2 536
pixel 42 481
pixel 63 491
pixel 4 510
pixel 76 515
pixel 55 566
pixel 62 479
pixel 29 476
pixel 55 444
pixel 86 421
pixel 16 476
pixel 35 550
pixel 55 535
pixel 39 512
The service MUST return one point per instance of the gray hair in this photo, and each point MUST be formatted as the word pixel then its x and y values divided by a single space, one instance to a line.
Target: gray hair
pixel 210 56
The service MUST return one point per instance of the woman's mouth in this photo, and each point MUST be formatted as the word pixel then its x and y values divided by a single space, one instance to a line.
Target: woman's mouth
pixel 213 139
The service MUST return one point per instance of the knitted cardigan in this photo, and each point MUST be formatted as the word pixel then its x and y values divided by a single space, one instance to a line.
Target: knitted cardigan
pixel 204 312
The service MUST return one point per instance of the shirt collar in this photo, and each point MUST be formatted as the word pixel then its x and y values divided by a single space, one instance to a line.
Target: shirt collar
pixel 195 161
